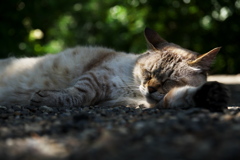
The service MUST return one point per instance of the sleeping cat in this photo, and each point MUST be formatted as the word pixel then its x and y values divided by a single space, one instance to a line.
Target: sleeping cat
pixel 166 75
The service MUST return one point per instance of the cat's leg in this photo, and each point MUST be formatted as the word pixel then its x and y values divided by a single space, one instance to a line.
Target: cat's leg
pixel 88 90
pixel 211 95
pixel 55 98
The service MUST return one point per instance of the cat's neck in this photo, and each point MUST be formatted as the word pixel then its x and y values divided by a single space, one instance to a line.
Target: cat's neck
pixel 137 68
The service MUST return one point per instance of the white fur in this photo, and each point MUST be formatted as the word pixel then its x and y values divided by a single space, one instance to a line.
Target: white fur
pixel 181 97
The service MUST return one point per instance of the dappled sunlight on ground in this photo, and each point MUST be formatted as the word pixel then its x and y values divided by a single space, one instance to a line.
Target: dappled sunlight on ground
pixel 226 79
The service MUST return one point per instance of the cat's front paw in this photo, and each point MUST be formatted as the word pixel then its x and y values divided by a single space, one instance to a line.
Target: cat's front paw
pixel 212 95
pixel 43 97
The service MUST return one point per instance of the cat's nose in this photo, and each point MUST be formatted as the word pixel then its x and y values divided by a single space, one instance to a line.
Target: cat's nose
pixel 151 89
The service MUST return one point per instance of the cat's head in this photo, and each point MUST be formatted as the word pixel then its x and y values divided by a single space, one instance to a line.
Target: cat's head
pixel 166 65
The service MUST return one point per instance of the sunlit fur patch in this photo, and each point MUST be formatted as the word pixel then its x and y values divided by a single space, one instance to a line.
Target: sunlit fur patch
pixel 195 69
pixel 181 96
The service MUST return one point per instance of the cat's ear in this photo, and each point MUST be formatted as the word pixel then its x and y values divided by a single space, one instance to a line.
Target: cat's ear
pixel 153 38
pixel 205 61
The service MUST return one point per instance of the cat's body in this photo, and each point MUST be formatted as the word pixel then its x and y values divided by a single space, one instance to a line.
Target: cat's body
pixel 104 69
pixel 101 76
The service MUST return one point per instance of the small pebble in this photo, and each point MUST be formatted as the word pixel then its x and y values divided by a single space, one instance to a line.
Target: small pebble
pixel 3 108
pixel 226 117
pixel 46 109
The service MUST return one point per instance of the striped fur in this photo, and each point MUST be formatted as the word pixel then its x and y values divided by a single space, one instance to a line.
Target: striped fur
pixel 101 76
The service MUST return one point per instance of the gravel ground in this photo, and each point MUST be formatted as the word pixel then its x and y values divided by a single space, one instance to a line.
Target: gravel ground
pixel 120 133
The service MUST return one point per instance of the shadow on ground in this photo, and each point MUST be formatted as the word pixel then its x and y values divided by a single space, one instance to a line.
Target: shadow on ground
pixel 234 94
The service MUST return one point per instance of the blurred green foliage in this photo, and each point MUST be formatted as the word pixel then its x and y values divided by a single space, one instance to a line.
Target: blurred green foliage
pixel 33 28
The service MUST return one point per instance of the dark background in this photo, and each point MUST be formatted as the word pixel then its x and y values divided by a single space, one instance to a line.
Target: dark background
pixel 30 28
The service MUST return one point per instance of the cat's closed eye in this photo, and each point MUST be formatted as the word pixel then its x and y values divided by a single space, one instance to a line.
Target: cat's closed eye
pixel 147 75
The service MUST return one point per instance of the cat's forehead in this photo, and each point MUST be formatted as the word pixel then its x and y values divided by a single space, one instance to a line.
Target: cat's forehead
pixel 167 57
pixel 170 65
pixel 172 49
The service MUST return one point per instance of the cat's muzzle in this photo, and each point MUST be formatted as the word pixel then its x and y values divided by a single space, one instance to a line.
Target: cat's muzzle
pixel 154 97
